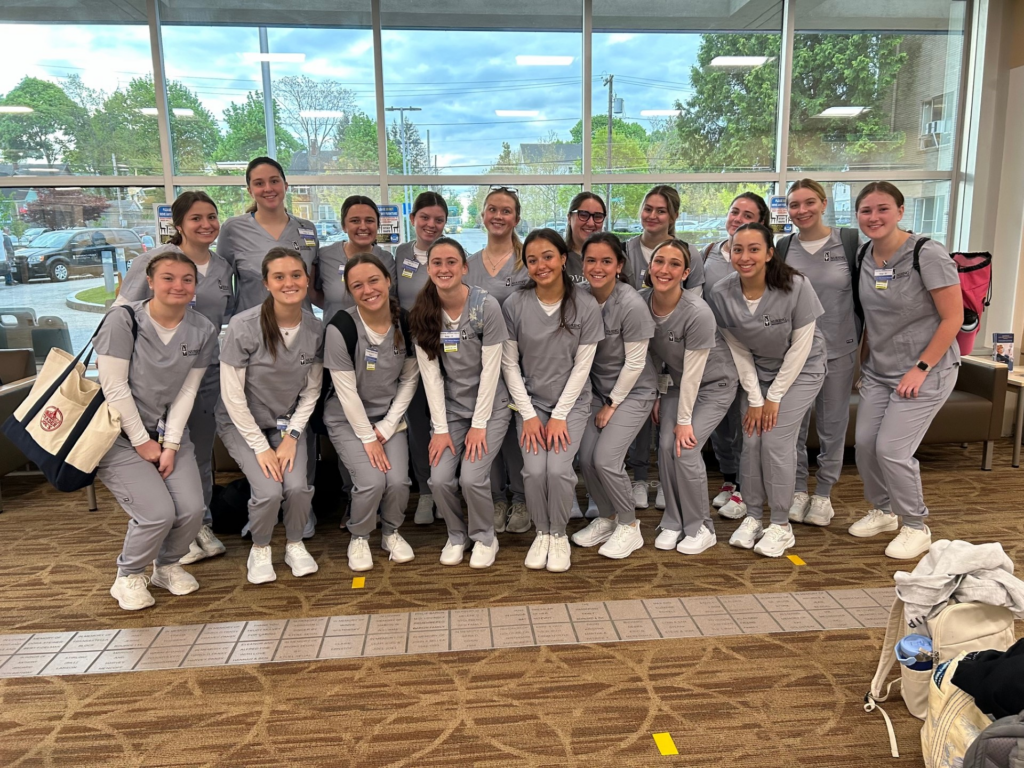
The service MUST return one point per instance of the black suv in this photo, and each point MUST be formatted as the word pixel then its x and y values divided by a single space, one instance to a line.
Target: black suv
pixel 61 254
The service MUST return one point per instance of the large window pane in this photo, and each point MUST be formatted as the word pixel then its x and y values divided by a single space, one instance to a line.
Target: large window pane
pixel 875 87
pixel 77 99
pixel 692 87
pixel 485 92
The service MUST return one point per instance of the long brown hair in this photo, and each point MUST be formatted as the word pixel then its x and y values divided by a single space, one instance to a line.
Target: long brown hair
pixel 269 328
pixel 672 201
pixel 393 306
pixel 762 207
pixel 676 243
pixel 574 205
pixel 613 242
pixel 425 322
pixel 569 288
pixel 255 163
pixel 517 244
pixel 180 208
pixel 778 275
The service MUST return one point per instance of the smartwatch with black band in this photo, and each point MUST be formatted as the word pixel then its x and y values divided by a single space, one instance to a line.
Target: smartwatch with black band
pixel 921 364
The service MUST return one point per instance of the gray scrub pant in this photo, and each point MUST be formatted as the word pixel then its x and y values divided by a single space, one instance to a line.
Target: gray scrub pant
pixel 165 515
pixel 768 461
pixel 832 415
pixel 685 477
pixel 202 427
pixel 267 496
pixel 371 488
pixel 602 455
pixel 548 476
pixel 639 459
pixel 507 471
pixel 889 430
pixel 474 478
pixel 418 419
pixel 727 439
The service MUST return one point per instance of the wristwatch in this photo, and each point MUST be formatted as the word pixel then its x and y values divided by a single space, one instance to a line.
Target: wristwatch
pixel 923 366
pixel 294 434
pixel 608 401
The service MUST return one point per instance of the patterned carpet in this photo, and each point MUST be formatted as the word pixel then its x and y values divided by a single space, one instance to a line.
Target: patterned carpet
pixel 774 700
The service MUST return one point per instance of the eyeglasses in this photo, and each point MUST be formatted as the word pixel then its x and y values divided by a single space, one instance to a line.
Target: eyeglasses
pixel 501 188
pixel 586 216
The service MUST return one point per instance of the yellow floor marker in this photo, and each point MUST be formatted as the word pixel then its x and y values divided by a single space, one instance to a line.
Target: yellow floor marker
pixel 665 744
pixel 795 560
pixel 358 582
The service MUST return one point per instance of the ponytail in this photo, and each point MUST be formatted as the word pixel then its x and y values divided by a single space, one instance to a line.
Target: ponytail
pixel 396 320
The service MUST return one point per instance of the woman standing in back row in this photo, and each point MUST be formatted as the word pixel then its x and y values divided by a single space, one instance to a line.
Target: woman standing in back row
pixel 913 309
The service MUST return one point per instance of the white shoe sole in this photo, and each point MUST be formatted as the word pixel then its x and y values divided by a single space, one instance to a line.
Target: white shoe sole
pixel 488 564
pixel 737 513
pixel 195 557
pixel 809 521
pixel 521 529
pixel 536 566
pixel 161 584
pixel 744 545
pixel 791 542
pixel 396 558
pixel 621 555
pixel 697 551
pixel 263 580
pixel 671 546
pixel 910 555
pixel 590 544
pixel 126 607
pixel 453 562
pixel 300 572
pixel 359 568
pixel 894 526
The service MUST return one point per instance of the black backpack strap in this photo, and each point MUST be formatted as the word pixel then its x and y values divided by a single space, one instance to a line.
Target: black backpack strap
pixel 346 325
pixel 706 251
pixel 917 253
pixel 855 280
pixel 851 242
pixel 403 324
pixel 782 247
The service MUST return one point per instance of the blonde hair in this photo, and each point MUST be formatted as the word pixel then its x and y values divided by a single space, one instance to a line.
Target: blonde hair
pixel 517 244
pixel 810 184
pixel 672 201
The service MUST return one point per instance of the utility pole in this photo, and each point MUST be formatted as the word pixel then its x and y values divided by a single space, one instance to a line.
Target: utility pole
pixel 609 80
pixel 428 150
pixel 405 162
pixel 268 96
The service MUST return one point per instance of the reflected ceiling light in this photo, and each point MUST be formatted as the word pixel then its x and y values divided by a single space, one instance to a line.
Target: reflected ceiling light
pixel 256 58
pixel 233 164
pixel 660 112
pixel 739 62
pixel 15 110
pixel 151 112
pixel 843 112
pixel 516 112
pixel 314 113
pixel 544 61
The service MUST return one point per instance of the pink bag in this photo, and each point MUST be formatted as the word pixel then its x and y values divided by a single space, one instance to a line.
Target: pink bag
pixel 976 286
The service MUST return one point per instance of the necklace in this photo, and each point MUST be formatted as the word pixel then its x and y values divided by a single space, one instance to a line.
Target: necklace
pixel 495 264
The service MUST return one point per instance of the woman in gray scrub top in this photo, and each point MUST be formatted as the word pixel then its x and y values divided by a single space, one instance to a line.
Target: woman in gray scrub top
pixel 817 253
pixel 624 388
pixel 428 217
pixel 270 371
pixel 727 439
pixel 699 383
pixel 152 381
pixel 912 314
pixel 499 270
pixel 459 333
pixel 767 312
pixel 244 240
pixel 658 213
pixel 553 331
pixel 586 216
pixel 365 413
pixel 194 215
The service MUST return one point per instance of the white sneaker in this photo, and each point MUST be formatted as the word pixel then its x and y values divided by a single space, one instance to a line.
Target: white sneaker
pixel 876 521
pixel 694 545
pixel 575 513
pixel 559 555
pixel 174 579
pixel 424 510
pixel 131 592
pixel 194 555
pixel 359 556
pixel 483 556
pixel 597 532
pixel 399 548
pixel 592 512
pixel 726 492
pixel 260 569
pixel 297 557
pixel 734 508
pixel 667 539
pixel 518 519
pixel 776 540
pixel 747 534
pixel 799 506
pixel 659 500
pixel 451 554
pixel 626 540
pixel 640 499
pixel 500 516
pixel 821 512
pixel 211 545
pixel 909 543
pixel 537 557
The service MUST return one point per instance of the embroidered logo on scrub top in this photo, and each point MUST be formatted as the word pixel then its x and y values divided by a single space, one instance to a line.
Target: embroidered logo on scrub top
pixel 612 331
pixel 305 359
pixel 186 352
pixel 672 336
pixel 571 326
pixel 768 321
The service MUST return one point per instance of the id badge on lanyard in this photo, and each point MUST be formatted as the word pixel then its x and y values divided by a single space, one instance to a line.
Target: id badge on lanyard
pixel 282 426
pixel 161 429
pixel 883 277
pixel 409 267
pixel 450 341
pixel 371 358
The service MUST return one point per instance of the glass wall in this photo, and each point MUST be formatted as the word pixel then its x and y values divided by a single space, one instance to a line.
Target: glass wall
pixel 926 206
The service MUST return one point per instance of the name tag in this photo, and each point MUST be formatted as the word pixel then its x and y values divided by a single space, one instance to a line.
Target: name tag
pixel 282 426
pixel 309 242
pixel 161 428
pixel 341 272
pixel 409 267
pixel 450 341
pixel 664 382
pixel 882 278
pixel 192 304
pixel 307 232
pixel 371 358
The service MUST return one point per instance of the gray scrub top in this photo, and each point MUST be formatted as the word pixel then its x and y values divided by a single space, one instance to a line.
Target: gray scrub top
pixel 501 285
pixel 272 386
pixel 547 351
pixel 412 275
pixel 768 331
pixel 691 326
pixel 639 266
pixel 156 371
pixel 376 388
pixel 464 364
pixel 625 319
pixel 829 273
pixel 716 266
pixel 243 243
pixel 330 276
pixel 902 319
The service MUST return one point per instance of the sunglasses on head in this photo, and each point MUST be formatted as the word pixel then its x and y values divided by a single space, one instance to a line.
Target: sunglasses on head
pixel 501 188
pixel 587 216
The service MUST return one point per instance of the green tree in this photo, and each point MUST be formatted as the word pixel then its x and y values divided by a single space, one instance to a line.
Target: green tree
pixel 246 135
pixel 48 131
pixel 356 141
pixel 416 159
pixel 63 208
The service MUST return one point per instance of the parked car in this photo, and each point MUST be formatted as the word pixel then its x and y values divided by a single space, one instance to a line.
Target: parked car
pixel 29 235
pixel 61 254
pixel 327 229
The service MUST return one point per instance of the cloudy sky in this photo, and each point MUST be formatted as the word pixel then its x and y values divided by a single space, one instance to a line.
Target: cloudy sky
pixel 458 79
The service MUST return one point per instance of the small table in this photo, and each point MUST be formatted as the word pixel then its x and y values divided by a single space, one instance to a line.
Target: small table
pixel 1016 381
